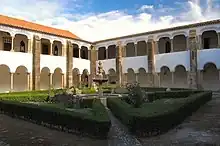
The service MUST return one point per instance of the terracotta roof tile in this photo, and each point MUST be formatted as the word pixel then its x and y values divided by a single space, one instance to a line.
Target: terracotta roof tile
pixel 14 22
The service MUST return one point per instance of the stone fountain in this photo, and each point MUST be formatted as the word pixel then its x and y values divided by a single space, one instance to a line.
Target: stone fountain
pixel 99 79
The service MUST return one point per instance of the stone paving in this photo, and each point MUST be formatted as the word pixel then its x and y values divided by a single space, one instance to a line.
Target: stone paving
pixel 203 128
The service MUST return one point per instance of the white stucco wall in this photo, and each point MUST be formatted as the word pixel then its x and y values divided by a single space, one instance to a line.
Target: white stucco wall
pixel 171 60
pixel 16 59
pixel 81 64
pixel 135 63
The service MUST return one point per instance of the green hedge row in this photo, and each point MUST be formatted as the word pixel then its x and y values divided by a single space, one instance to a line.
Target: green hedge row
pixel 95 124
pixel 157 117
pixel 24 97
pixel 154 89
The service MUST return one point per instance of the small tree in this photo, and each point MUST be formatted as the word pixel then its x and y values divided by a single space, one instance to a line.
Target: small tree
pixel 135 94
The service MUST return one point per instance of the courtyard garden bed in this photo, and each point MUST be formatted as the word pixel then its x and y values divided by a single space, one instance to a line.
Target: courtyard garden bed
pixel 89 117
pixel 160 112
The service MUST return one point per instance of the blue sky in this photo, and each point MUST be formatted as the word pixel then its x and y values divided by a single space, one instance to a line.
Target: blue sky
pixel 101 19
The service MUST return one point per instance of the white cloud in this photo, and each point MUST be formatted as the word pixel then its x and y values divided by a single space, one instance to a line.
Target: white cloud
pixel 93 27
pixel 146 7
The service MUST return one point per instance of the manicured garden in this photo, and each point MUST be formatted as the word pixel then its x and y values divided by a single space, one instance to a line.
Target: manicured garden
pixel 148 114
pixel 145 111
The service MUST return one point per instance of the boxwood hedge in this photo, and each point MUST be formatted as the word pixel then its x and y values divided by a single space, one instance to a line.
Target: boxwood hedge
pixel 158 116
pixel 96 124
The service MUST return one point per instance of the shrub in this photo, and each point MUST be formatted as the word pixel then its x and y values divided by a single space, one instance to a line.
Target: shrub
pixel 159 116
pixel 96 124
pixel 38 97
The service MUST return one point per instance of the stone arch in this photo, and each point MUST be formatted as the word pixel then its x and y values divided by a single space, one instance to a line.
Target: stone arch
pixel 45 78
pixel 130 50
pixel 57 78
pixel 141 48
pixel 5 78
pixel 20 43
pixel 112 76
pixel 209 39
pixel 6 39
pixel 180 77
pixel 76 77
pixel 164 45
pixel 210 76
pixel 142 77
pixel 21 79
pixel 131 77
pixel 45 46
pixel 102 53
pixel 84 52
pixel 85 78
pixel 57 48
pixel 179 43
pixel 165 77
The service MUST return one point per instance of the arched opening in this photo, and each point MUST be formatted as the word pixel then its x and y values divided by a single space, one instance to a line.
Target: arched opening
pixel 112 78
pixel 57 78
pixel 111 52
pixel 101 53
pixel 141 48
pixel 209 39
pixel 180 77
pixel 5 79
pixel 179 43
pixel 22 46
pixel 57 48
pixel 7 41
pixel 85 78
pixel 45 78
pixel 210 77
pixel 130 50
pixel 164 45
pixel 55 51
pixel 75 51
pixel 21 79
pixel 165 77
pixel 45 46
pixel 76 76
pixel 84 52
pixel 142 77
pixel 131 78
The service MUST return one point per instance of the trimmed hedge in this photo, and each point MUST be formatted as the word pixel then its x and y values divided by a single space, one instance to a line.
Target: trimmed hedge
pixel 24 97
pixel 96 124
pixel 157 117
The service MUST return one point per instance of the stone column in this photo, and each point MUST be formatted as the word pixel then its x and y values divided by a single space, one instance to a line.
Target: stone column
pixel 12 43
pixel 79 52
pixel 171 43
pixel 135 49
pixel 151 62
pixel 93 59
pixel 51 48
pixel 69 64
pixel 193 47
pixel 29 82
pixel 118 62
pixel 218 39
pixel 199 42
pixel 136 76
pixel 36 63
pixel 106 52
pixel 80 80
pixel 62 80
pixel 11 81
pixel 156 51
pixel 64 49
pixel 50 80
pixel 30 42
pixel 173 79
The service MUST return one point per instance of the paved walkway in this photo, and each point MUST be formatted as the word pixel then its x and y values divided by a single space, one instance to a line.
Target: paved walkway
pixel 201 128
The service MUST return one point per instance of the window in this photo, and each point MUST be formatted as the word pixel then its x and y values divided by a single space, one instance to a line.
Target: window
pixel 83 54
pixel 45 49
pixel 76 52
pixel 206 44
pixel 22 46
pixel 55 53
pixel 167 47
pixel 7 43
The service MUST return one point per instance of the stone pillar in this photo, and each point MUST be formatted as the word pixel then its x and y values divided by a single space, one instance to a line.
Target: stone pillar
pixel 156 51
pixel 118 62
pixel 80 80
pixel 106 52
pixel 136 76
pixel 50 80
pixel 62 80
pixel 36 63
pixel 218 39
pixel 93 59
pixel 193 47
pixel 69 64
pixel 30 42
pixel 12 43
pixel 51 48
pixel 29 82
pixel 187 43
pixel 64 49
pixel 173 79
pixel 199 42
pixel 171 43
pixel 135 49
pixel 151 62
pixel 11 81
pixel 79 52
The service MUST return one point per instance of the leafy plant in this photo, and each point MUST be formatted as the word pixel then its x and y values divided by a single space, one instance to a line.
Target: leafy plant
pixel 135 94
